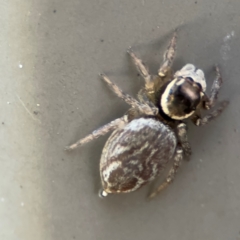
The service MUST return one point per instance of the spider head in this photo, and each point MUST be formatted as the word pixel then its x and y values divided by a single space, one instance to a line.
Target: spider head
pixel 184 93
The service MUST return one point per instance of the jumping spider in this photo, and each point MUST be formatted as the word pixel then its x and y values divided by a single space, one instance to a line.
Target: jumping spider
pixel 153 132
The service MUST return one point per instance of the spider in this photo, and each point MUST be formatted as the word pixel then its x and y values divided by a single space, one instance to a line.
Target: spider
pixel 153 132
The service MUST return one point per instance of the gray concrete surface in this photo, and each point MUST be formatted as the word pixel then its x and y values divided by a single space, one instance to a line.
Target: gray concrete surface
pixel 51 95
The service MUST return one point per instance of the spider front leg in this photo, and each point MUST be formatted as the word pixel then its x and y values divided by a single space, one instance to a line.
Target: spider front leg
pixel 201 121
pixel 117 123
pixel 143 107
pixel 215 89
pixel 168 56
pixel 208 103
pixel 142 69
pixel 183 149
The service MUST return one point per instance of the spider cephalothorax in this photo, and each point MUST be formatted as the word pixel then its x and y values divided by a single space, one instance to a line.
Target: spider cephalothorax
pixel 152 132
pixel 184 93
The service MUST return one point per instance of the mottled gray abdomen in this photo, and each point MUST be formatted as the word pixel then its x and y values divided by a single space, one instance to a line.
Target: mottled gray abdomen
pixel 135 154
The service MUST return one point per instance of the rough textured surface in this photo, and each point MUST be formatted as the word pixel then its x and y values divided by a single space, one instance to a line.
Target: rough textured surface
pixel 51 54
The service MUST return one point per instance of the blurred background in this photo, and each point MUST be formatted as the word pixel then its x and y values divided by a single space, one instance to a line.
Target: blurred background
pixel 51 53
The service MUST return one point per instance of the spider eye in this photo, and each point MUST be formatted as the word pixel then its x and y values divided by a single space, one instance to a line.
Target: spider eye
pixel 199 85
pixel 190 79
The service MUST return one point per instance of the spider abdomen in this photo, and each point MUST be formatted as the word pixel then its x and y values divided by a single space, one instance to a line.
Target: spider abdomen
pixel 135 154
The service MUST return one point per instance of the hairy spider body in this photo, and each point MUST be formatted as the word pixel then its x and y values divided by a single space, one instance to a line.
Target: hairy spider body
pixel 153 132
pixel 135 154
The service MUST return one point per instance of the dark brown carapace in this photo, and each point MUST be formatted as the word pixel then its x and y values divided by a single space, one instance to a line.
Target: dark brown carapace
pixel 152 132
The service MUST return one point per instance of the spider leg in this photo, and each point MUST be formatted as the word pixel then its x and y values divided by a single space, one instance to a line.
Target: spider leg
pixel 183 140
pixel 201 121
pixel 215 89
pixel 168 56
pixel 171 174
pixel 210 102
pixel 99 132
pixel 143 98
pixel 183 149
pixel 144 108
pixel 142 69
